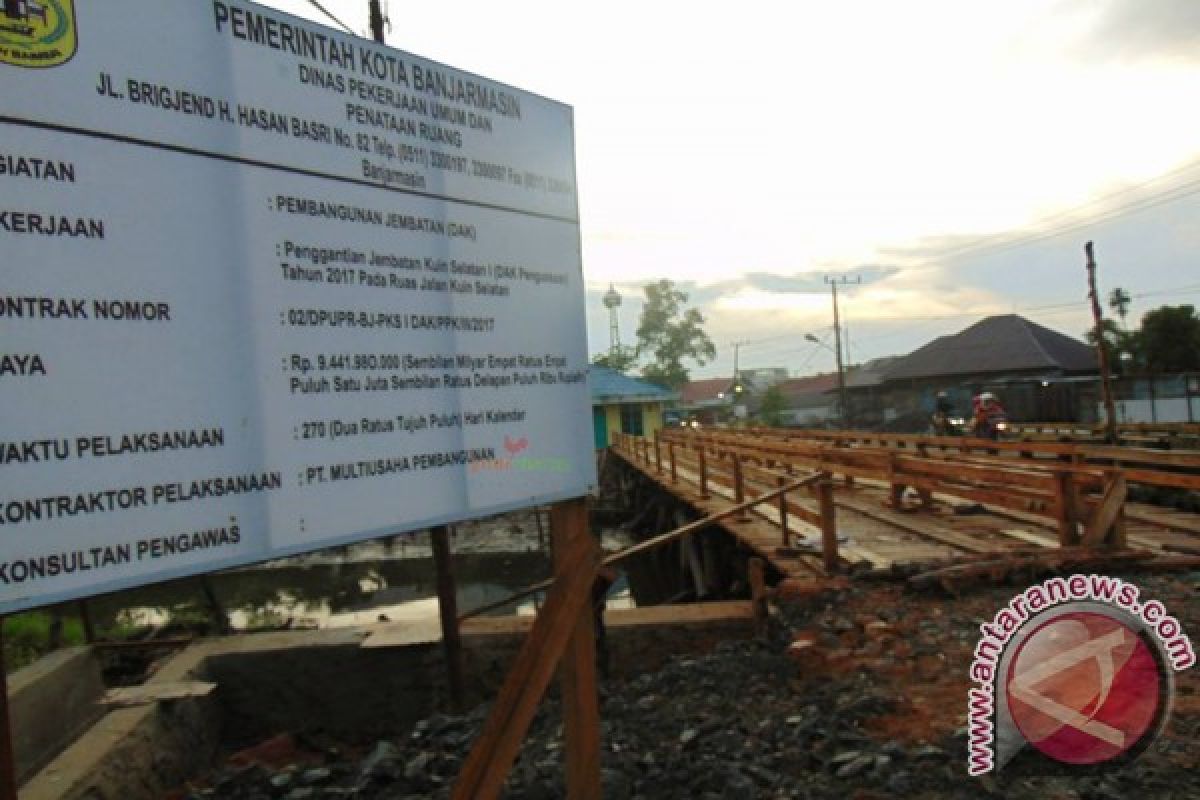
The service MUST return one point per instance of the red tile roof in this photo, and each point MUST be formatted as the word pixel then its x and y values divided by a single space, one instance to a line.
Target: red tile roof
pixel 700 391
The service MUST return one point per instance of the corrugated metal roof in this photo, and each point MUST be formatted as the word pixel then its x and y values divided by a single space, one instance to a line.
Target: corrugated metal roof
pixel 1006 343
pixel 608 385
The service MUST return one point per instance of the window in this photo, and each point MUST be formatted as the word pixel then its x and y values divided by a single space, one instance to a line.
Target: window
pixel 631 420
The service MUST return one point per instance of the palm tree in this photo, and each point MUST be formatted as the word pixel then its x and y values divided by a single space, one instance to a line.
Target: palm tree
pixel 1118 301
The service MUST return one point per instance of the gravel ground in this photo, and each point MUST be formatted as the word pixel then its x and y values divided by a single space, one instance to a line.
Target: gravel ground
pixel 875 707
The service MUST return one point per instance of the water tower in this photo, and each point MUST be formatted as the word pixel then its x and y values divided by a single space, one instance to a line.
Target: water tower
pixel 612 301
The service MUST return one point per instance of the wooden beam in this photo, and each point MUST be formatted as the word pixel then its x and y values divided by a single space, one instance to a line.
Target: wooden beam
pixel 829 542
pixel 487 766
pixel 1108 514
pixel 577 672
pixel 448 613
pixel 756 572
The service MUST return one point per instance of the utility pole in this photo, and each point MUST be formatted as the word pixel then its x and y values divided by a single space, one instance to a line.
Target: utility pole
pixel 376 21
pixel 837 338
pixel 733 390
pixel 1110 411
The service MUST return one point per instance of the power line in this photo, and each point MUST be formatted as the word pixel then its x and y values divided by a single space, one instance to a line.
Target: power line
pixel 1142 204
pixel 340 24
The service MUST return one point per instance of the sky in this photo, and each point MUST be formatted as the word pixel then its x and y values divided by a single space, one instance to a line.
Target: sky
pixel 951 157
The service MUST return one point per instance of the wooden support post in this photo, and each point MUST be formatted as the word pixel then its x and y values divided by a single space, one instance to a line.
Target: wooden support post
pixel 739 487
pixel 1107 515
pixel 658 467
pixel 487 766
pixel 85 619
pixel 8 764
pixel 703 472
pixel 756 572
pixel 783 513
pixel 448 611
pixel 1065 509
pixel 577 673
pixel 895 489
pixel 671 455
pixel 829 543
pixel 216 612
pixel 926 496
pixel 537 518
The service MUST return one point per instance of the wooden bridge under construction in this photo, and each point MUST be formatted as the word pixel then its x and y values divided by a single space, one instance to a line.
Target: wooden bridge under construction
pixel 923 507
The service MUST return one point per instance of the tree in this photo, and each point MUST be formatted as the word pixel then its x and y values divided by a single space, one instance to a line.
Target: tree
pixel 770 409
pixel 623 359
pixel 670 334
pixel 1170 339
pixel 1116 342
pixel 1118 301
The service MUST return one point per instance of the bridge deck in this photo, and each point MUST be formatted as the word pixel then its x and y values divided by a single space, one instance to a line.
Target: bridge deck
pixel 873 529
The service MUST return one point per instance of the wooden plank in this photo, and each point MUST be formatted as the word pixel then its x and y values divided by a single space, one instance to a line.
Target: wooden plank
pixel 1029 537
pixel 486 767
pixel 147 693
pixel 1108 514
pixel 1156 478
pixel 923 528
pixel 404 634
pixel 959 472
pixel 577 672
pixel 1174 521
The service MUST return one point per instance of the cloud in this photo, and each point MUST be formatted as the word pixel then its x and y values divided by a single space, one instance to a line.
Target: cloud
pixel 814 282
pixel 1132 30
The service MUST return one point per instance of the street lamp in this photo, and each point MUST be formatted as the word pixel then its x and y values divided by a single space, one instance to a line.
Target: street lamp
pixel 841 377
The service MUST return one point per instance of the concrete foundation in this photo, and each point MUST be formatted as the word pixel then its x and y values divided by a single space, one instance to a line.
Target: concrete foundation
pixel 303 682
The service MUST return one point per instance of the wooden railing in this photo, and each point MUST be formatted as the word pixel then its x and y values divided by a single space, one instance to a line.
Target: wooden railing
pixel 1084 501
pixel 1179 469
pixel 746 481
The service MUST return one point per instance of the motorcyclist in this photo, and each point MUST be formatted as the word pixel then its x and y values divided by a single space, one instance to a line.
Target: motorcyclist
pixel 989 417
pixel 943 413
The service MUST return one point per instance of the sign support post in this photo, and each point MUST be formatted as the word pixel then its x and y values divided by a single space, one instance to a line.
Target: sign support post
pixel 8 766
pixel 577 671
pixel 448 611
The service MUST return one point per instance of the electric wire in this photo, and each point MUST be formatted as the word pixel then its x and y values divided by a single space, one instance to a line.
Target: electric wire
pixel 340 24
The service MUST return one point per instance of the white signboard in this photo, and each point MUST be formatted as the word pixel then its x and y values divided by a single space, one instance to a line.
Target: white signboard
pixel 268 287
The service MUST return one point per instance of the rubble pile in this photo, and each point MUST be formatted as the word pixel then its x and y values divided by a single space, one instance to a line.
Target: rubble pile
pixel 857 694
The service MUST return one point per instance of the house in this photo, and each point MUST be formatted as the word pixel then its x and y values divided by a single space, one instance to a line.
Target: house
pixel 706 401
pixel 866 393
pixel 811 401
pixel 1036 372
pixel 624 404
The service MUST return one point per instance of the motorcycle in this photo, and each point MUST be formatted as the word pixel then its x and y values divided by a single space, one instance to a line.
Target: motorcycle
pixel 993 426
pixel 944 424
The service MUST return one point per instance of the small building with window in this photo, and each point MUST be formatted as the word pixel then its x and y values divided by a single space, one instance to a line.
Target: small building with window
pixel 621 404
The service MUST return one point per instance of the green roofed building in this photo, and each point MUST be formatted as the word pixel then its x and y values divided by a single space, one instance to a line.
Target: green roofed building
pixel 621 404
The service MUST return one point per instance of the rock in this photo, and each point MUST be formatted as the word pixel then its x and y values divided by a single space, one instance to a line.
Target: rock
pixel 381 759
pixel 900 784
pixel 845 757
pixel 418 767
pixel 614 785
pixel 858 765
pixel 316 775
pixel 688 736
pixel 928 751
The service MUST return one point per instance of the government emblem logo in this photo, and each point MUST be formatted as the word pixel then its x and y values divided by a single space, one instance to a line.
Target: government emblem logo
pixel 37 33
